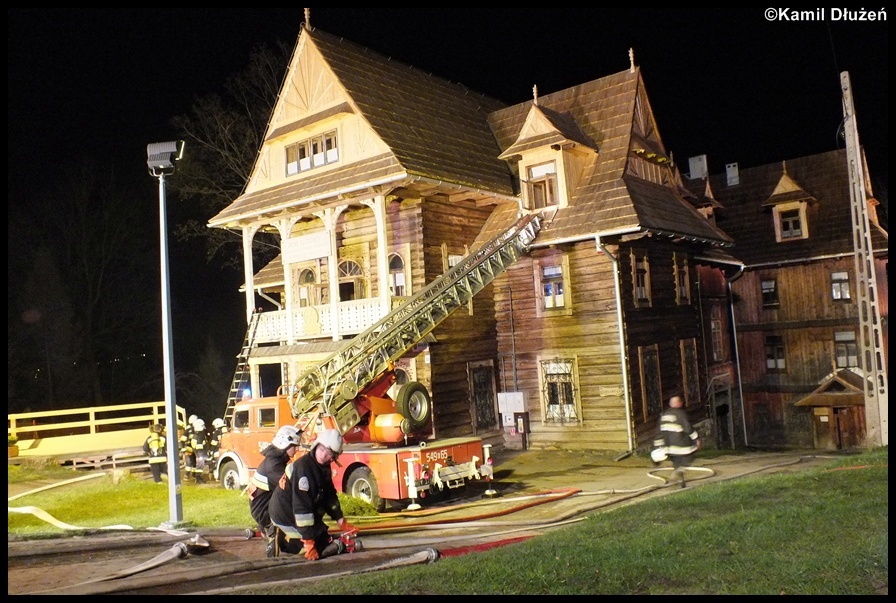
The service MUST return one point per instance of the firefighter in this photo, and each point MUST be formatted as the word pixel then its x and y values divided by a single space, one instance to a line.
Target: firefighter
pixel 186 446
pixel 678 439
pixel 304 494
pixel 154 447
pixel 199 443
pixel 266 477
pixel 219 428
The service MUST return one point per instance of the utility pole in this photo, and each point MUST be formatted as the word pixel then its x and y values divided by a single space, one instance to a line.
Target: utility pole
pixel 870 336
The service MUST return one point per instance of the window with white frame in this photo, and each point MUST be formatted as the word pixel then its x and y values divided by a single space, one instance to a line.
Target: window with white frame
pixel 542 185
pixel 396 276
pixel 682 279
pixel 552 287
pixel 769 292
pixel 790 222
pixel 313 152
pixel 559 393
pixel 351 281
pixel 307 288
pixel 840 286
pixel 846 350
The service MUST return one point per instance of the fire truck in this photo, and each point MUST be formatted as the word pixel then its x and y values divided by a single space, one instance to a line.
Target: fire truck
pixel 390 455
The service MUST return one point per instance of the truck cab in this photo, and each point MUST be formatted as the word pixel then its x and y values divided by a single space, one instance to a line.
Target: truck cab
pixel 254 424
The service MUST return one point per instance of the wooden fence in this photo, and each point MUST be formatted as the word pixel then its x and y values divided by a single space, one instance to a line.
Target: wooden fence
pixel 94 432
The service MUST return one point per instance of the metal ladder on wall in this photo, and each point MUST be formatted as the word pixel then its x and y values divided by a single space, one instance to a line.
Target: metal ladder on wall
pixel 242 373
pixel 336 381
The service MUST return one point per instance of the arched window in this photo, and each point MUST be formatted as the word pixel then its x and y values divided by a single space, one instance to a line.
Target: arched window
pixel 351 281
pixel 306 283
pixel 396 276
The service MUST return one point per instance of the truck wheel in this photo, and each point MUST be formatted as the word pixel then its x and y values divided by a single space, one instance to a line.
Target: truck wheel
pixel 414 404
pixel 229 476
pixel 362 484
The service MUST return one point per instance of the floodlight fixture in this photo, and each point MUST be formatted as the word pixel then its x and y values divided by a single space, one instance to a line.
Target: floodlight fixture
pixel 160 157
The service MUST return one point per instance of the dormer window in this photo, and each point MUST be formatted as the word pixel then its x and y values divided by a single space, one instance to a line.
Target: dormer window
pixel 311 153
pixel 790 222
pixel 542 185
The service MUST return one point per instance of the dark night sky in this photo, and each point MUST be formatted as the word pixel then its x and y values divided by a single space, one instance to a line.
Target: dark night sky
pixel 728 83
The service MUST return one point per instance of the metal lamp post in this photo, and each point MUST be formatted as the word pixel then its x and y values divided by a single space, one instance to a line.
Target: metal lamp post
pixel 160 159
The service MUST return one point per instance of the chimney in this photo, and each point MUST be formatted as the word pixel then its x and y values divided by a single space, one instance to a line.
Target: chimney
pixel 732 174
pixel 697 165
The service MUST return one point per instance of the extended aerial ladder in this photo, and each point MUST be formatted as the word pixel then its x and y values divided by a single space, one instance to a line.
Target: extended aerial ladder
pixel 357 368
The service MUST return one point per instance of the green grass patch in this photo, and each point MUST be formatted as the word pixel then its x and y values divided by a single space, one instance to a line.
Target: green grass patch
pixel 819 531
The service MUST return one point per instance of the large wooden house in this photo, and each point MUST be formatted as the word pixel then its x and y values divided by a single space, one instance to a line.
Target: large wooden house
pixel 378 178
pixel 796 303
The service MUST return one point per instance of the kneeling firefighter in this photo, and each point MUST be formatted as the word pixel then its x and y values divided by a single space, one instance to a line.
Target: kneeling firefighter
pixel 265 480
pixel 304 495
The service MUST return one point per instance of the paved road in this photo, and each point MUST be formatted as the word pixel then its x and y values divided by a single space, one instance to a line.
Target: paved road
pixel 532 492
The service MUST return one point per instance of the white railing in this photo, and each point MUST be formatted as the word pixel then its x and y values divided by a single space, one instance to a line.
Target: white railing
pixel 315 322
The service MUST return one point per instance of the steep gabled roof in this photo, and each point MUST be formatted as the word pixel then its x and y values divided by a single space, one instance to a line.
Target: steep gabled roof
pixel 556 130
pixel 699 193
pixel 434 130
pixel 824 177
pixel 843 387
pixel 613 112
pixel 788 191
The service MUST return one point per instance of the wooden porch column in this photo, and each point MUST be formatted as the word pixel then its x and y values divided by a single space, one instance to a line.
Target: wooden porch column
pixel 329 217
pixel 378 205
pixel 283 227
pixel 249 270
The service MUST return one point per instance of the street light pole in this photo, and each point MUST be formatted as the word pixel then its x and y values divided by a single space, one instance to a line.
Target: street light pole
pixel 160 160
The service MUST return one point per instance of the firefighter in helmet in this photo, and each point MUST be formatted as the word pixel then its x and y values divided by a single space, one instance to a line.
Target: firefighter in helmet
pixel 154 447
pixel 304 495
pixel 265 480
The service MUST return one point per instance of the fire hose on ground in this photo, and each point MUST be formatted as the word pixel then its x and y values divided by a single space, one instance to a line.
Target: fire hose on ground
pixel 422 520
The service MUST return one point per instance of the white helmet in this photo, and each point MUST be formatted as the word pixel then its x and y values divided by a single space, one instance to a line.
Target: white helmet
pixel 192 419
pixel 658 455
pixel 199 425
pixel 218 423
pixel 331 438
pixel 286 436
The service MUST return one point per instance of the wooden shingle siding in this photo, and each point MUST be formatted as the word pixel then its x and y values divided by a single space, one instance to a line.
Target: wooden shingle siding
pixel 461 338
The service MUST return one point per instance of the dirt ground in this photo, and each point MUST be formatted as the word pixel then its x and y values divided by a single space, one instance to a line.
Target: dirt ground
pixel 531 492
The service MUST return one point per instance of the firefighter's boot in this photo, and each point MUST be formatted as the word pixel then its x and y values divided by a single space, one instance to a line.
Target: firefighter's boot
pixel 678 477
pixel 271 549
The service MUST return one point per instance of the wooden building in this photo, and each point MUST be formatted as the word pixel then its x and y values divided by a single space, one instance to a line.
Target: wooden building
pixel 795 305
pixel 378 178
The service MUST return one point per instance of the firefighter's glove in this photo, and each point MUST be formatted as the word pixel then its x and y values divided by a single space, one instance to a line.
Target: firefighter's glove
pixel 346 527
pixel 311 553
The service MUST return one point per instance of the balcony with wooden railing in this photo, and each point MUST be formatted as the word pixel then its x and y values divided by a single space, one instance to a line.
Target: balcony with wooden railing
pixel 317 322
